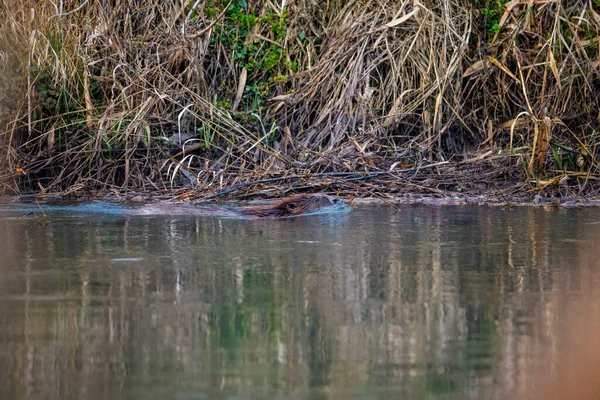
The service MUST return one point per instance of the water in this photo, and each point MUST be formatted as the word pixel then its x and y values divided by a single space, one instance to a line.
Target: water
pixel 418 303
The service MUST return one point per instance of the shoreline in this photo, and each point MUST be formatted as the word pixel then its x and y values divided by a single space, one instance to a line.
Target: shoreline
pixel 378 200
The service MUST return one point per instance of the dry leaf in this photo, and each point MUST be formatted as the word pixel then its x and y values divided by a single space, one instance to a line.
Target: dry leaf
pixel 400 20
pixel 553 67
pixel 240 89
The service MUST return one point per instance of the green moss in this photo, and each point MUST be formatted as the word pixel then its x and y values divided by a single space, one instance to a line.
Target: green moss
pixel 491 11
pixel 224 104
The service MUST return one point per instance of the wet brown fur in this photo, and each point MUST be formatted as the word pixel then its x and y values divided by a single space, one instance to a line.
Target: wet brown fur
pixel 290 206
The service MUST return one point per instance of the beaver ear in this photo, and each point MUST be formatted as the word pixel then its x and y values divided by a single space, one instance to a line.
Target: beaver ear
pixel 291 206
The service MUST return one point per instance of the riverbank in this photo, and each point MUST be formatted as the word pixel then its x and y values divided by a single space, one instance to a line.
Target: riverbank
pixel 411 196
pixel 488 178
pixel 246 98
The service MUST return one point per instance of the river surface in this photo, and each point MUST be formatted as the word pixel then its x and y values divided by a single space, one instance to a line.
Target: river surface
pixel 422 302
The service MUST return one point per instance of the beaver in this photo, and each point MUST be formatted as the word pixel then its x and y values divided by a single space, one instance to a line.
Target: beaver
pixel 292 206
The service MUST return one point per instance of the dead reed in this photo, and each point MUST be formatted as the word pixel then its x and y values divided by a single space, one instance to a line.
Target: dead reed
pixel 236 97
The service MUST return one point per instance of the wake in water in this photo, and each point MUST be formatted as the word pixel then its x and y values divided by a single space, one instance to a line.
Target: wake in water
pixel 293 206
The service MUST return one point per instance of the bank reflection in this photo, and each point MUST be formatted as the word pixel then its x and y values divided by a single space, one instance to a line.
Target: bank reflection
pixel 422 302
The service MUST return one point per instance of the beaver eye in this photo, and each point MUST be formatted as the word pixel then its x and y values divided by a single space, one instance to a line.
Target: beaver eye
pixel 291 206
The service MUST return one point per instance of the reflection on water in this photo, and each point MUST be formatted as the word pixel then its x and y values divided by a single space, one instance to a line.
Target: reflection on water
pixel 424 302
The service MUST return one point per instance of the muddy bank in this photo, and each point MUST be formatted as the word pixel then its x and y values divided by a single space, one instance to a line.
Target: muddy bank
pixel 494 181
pixel 512 201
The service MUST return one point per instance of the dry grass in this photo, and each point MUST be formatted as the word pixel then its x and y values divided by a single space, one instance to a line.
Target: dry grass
pixel 359 96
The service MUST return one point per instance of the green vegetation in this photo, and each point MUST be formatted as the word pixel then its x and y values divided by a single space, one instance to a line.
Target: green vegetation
pixel 243 35
pixel 99 98
pixel 492 11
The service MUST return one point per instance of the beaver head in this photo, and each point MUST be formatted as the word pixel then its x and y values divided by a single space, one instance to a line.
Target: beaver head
pixel 292 206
